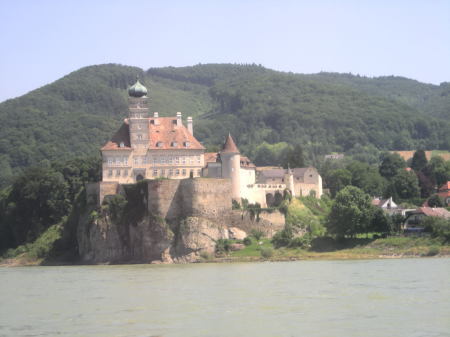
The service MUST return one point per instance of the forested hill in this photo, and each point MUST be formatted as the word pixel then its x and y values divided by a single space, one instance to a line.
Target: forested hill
pixel 324 112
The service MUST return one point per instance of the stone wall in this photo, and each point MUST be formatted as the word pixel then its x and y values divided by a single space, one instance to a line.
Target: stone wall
pixel 204 197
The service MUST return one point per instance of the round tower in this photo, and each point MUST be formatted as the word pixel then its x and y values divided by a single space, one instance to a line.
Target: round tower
pixel 231 166
pixel 289 179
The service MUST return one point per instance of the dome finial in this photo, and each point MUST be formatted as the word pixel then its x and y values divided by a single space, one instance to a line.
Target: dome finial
pixel 137 89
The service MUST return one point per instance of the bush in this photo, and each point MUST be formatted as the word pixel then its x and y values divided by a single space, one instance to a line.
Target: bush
pixel 206 255
pixel 438 227
pixel 247 241
pixel 283 237
pixel 266 252
pixel 432 251
pixel 303 242
pixel 223 246
pixel 257 234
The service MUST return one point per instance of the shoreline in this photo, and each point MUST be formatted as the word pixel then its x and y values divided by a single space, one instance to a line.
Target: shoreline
pixel 24 261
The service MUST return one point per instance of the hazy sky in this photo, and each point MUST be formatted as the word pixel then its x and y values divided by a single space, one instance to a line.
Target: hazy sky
pixel 43 40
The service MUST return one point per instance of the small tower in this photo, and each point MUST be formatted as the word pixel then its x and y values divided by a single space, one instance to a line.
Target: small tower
pixel 138 115
pixel 231 165
pixel 289 179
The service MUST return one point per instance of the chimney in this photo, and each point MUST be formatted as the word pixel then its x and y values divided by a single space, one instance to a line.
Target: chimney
pixel 190 126
pixel 179 122
pixel 156 116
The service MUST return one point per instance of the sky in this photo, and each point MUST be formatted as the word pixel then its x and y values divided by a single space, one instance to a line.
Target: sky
pixel 41 41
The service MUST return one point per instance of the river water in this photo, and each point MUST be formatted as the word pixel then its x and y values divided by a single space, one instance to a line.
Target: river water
pixel 408 297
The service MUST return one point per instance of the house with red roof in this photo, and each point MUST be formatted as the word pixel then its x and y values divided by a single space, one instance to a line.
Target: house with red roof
pixel 414 218
pixel 444 192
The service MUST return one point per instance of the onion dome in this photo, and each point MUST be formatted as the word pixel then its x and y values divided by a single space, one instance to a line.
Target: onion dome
pixel 137 89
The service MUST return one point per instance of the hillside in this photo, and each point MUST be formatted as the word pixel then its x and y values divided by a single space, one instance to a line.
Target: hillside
pixel 323 112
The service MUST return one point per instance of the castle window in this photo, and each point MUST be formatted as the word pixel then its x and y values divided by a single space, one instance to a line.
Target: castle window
pixel 191 159
pixel 139 126
pixel 117 173
pixel 170 172
pixel 155 173
pixel 125 160
pixel 121 144
pixel 198 159
pixel 170 159
pixel 177 172
pixel 152 122
pixel 163 172
pixel 191 173
pixel 174 144
pixel 159 144
pixel 136 160
pixel 155 159
pixel 139 137
pixel 177 160
pixel 163 160
pixel 118 162
pixel 110 161
pixel 184 172
pixel 110 173
pixel 187 144
pixel 144 160
pixel 125 173
pixel 183 159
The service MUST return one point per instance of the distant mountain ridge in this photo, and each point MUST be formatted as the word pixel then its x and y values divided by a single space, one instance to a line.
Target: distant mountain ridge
pixel 324 112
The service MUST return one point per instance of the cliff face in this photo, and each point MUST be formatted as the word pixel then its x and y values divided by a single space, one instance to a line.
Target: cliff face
pixel 166 220
pixel 161 221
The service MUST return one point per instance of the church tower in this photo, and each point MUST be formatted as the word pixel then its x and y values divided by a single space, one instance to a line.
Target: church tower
pixel 138 116
pixel 231 165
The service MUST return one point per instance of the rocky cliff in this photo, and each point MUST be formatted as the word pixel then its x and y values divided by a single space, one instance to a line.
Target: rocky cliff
pixel 161 221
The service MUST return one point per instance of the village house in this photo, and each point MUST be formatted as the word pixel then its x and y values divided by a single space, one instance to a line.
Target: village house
pixel 414 218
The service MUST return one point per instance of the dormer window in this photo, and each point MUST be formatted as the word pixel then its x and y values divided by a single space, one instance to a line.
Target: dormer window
pixel 187 144
pixel 121 144
pixel 159 144
pixel 174 144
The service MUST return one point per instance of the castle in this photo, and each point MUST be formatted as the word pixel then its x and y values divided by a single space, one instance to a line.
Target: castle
pixel 150 147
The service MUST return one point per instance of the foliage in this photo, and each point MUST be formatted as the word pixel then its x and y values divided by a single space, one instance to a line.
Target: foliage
pixel 41 247
pixel 419 160
pixel 235 204
pixel 436 201
pixel 116 206
pixel 380 222
pixel 323 113
pixel 223 246
pixel 439 227
pixel 303 242
pixel 338 179
pixel 391 164
pixel 351 213
pixel 266 252
pixel 257 234
pixel 404 185
pixel 283 238
pixel 247 241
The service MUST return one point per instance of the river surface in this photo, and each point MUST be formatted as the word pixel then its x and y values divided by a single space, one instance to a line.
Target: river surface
pixel 408 297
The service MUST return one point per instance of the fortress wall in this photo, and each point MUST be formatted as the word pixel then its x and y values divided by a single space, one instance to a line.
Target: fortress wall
pixel 96 192
pixel 206 197
pixel 164 199
pixel 269 223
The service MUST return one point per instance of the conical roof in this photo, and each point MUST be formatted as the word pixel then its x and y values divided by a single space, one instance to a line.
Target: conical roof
pixel 229 146
pixel 137 89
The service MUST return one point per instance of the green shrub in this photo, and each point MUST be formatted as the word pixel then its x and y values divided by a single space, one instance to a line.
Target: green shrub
pixel 266 252
pixel 247 241
pixel 432 251
pixel 283 237
pixel 257 234
pixel 303 242
pixel 223 246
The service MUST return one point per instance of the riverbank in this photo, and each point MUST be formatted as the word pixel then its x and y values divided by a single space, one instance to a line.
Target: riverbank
pixel 263 250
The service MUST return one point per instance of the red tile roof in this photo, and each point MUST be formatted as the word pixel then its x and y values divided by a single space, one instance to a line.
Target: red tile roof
pixel 445 187
pixel 211 157
pixel 439 212
pixel 121 136
pixel 166 132
pixel 229 146
pixel 171 135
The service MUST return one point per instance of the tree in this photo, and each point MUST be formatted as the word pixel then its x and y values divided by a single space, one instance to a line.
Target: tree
pixel 439 169
pixel 436 201
pixel 391 164
pixel 294 158
pixel 419 160
pixel 405 185
pixel 380 222
pixel 367 178
pixel 337 180
pixel 351 212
